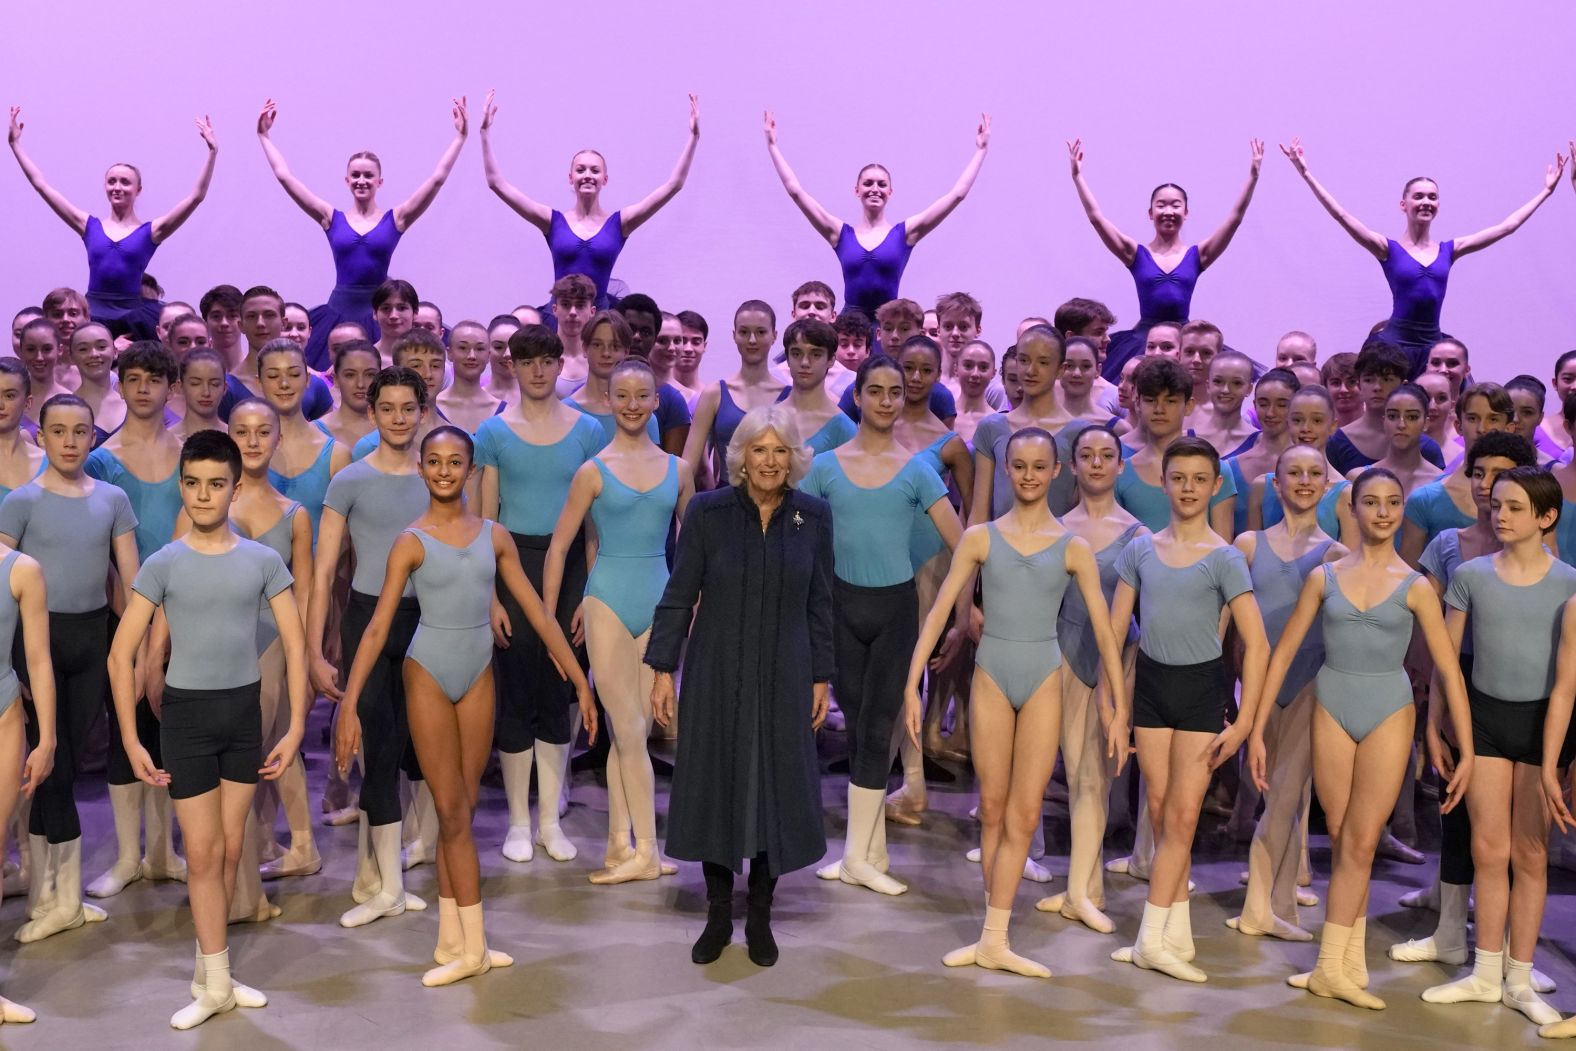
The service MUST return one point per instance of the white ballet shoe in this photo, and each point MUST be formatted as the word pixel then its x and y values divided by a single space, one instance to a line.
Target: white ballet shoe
pixel 1079 910
pixel 380 906
pixel 1471 989
pixel 1034 872
pixel 517 844
pixel 15 1013
pixel 1278 928
pixel 1162 961
pixel 291 864
pixel 863 874
pixel 1529 1003
pixel 551 838
pixel 474 959
pixel 119 876
pixel 217 995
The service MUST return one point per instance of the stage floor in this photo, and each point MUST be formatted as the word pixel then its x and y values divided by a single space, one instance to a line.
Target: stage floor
pixel 608 967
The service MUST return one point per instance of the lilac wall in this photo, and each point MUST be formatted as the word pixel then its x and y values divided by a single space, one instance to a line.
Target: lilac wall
pixel 1158 91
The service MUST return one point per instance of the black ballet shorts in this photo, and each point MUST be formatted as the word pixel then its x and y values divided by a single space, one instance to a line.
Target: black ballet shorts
pixel 1512 730
pixel 1190 697
pixel 210 736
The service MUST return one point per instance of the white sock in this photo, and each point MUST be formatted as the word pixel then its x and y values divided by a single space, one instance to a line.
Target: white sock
pixel 1448 943
pixel 1152 929
pixel 516 767
pixel 551 761
pixel 216 997
pixel 474 957
pixel 1483 985
pixel 391 899
pixel 1178 935
pixel 996 954
pixel 866 820
pixel 125 803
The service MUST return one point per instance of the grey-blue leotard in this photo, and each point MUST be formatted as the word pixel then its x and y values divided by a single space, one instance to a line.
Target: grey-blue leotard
pixel 376 507
pixel 1023 594
pixel 1074 633
pixel 454 587
pixel 1179 606
pixel 280 539
pixel 71 537
pixel 1515 629
pixel 1362 683
pixel 211 602
pixel 1276 585
pixel 10 619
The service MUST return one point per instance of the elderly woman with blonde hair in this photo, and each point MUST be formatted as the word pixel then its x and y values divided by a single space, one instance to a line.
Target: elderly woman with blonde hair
pixel 754 566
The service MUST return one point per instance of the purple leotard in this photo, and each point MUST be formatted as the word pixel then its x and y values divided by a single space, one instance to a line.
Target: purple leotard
pixel 115 270
pixel 361 264
pixel 1419 294
pixel 871 276
pixel 1163 295
pixel 592 256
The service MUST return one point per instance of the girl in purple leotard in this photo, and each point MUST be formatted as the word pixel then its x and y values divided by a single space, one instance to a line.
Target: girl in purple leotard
pixel 1417 267
pixel 119 245
pixel 1166 269
pixel 587 240
pixel 874 252
pixel 362 240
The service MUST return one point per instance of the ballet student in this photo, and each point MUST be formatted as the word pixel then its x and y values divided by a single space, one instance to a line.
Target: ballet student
pixel 1440 423
pixel 587 240
pixel 201 388
pixel 21 460
pixel 631 491
pixel 307 457
pixel 1380 368
pixel 1166 269
pixel 872 483
pixel 464 402
pixel 1220 422
pixel 19 321
pixel 220 309
pixel 356 365
pixel 262 322
pixel 210 585
pixel 1312 423
pixel 1181 686
pixel 1367 603
pixel 452 559
pixel 1418 267
pixel 371 501
pixel 874 253
pixel 607 343
pixel 394 306
pixel 1450 502
pixel 976 375
pixel 93 354
pixel 142 459
pixel 811 349
pixel 1405 415
pixel 1017 693
pixel 75 527
pixel 1514 602
pixel 719 408
pixel 1552 427
pixel 1164 401
pixel 40 350
pixel 422 353
pixel 363 240
pixel 1528 395
pixel 500 368
pixel 297 325
pixel 1280 558
pixel 1039 356
pixel 528 455
pixel 119 245
pixel 1272 405
pixel 1338 375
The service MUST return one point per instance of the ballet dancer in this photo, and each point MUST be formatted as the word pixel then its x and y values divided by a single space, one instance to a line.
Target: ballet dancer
pixel 1080 371
pixel 528 455
pixel 691 352
pixel 976 375
pixel 874 484
pixel 394 306
pixel 41 350
pixel 363 240
pixel 1220 422
pixel 422 353
pixel 1040 355
pixel 308 457
pixel 371 501
pixel 21 460
pixel 1418 267
pixel 607 341
pixel 631 491
pixel 19 321
pixel 1272 405
pixel 719 408
pixel 119 249
pixel 1164 401
pixel 1362 728
pixel 501 383
pixel 811 349
pixel 201 389
pixel 1165 270
pixel 1181 689
pixel 1450 502
pixel 448 680
pixel 1380 368
pixel 262 322
pixel 1312 417
pixel 93 354
pixel 1528 394
pixel 297 324
pixel 1338 375
pixel 874 254
pixel 1405 411
pixel 220 309
pixel 1439 424
pixel 75 527
pixel 464 402
pixel 587 240
pixel 356 365
pixel 210 586
pixel 1553 426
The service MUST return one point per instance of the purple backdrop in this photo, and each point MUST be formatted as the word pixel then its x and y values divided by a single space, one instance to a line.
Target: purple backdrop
pixel 1158 91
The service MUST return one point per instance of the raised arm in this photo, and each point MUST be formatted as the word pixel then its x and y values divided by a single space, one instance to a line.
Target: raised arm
pixel 532 211
pixel 919 225
pixel 320 210
pixel 170 221
pixel 1377 245
pixel 75 217
pixel 1512 222
pixel 422 199
pixel 1211 247
pixel 634 215
pixel 826 224
pixel 1119 244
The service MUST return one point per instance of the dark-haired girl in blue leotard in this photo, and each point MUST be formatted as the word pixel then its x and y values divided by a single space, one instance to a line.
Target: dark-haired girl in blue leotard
pixel 1417 267
pixel 119 245
pixel 587 239
pixel 1166 269
pixel 874 252
pixel 720 408
pixel 363 239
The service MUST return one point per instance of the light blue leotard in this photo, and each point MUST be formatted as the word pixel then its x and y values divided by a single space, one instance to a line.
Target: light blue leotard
pixel 10 621
pixel 1271 511
pixel 1244 485
pixel 156 504
pixel 44 463
pixel 310 486
pixel 1430 508
pixel 533 480
pixel 833 432
pixel 609 423
pixel 1023 594
pixel 454 586
pixel 924 541
pixel 862 543
pixel 280 539
pixel 1515 628
pixel 1276 585
pixel 1362 683
pixel 1179 606
pixel 1149 503
pixel 1565 533
pixel 990 440
pixel 1074 633
pixel 631 567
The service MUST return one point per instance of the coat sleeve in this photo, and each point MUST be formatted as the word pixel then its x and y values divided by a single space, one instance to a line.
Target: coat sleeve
pixel 670 623
pixel 822 654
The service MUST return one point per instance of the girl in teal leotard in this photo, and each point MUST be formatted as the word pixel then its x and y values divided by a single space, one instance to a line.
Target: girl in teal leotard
pixel 1362 727
pixel 631 490
pixel 451 556
pixel 1026 560
pixel 21 460
pixel 308 456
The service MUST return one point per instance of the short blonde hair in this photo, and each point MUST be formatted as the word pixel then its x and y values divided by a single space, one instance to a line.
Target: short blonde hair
pixel 757 422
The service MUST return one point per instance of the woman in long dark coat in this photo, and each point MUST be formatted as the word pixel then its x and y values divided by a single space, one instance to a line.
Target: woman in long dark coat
pixel 757 555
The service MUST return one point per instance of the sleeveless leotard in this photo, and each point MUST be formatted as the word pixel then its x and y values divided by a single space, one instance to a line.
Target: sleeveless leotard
pixel 280 539
pixel 1362 682
pixel 924 541
pixel 318 400
pixel 1328 513
pixel 361 264
pixel 156 504
pixel 1023 594
pixel 1163 295
pixel 1347 457
pixel 1276 586
pixel 454 586
pixel 1418 295
pixel 631 566
pixel 592 256
pixel 1074 633
pixel 115 270
pixel 871 276
pixel 310 486
pixel 10 621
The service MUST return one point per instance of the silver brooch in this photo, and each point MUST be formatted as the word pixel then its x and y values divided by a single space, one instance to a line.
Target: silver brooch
pixel 798 519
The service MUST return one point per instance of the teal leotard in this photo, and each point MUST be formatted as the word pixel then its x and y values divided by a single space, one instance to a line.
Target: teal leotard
pixel 924 541
pixel 310 486
pixel 157 504
pixel 533 480
pixel 631 566
pixel 863 544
